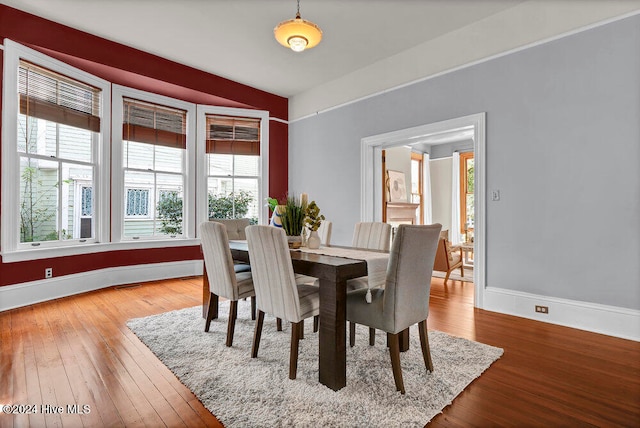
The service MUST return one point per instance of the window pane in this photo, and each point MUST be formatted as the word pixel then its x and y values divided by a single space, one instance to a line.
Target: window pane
pixel 87 201
pixel 169 210
pixel 247 165
pixel 246 202
pixel 38 200
pixel 470 213
pixel 137 155
pixel 75 143
pixel 72 199
pixel 29 146
pixel 169 159
pixel 220 164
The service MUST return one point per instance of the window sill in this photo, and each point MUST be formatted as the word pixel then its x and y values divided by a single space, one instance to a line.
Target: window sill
pixel 48 253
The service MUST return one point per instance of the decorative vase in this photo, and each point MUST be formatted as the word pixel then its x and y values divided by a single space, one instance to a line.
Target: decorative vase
pixel 314 240
pixel 294 241
pixel 276 218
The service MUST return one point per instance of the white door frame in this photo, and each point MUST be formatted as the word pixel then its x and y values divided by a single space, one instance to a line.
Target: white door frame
pixel 371 180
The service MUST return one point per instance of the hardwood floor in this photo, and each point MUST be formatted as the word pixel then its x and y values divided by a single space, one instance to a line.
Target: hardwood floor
pixel 78 350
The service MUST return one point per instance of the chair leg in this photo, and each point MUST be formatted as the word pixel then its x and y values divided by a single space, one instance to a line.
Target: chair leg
pixel 253 308
pixel 424 342
pixel 296 328
pixel 462 270
pixel 372 336
pixel 394 352
pixel 231 325
pixel 212 311
pixel 316 323
pixel 352 334
pixel 301 332
pixel 257 334
pixel 446 277
pixel 278 324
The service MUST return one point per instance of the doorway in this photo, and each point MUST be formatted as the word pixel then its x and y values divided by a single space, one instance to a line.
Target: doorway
pixel 371 180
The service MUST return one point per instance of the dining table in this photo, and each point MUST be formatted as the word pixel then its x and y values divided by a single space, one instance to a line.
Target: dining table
pixel 332 272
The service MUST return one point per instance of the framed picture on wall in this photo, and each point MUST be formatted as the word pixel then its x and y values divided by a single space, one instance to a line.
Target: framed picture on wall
pixel 396 186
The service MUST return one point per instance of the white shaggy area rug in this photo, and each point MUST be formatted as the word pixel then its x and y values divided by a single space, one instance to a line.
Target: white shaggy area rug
pixel 245 392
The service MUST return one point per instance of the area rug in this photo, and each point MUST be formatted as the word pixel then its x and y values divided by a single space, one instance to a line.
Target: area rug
pixel 455 274
pixel 245 392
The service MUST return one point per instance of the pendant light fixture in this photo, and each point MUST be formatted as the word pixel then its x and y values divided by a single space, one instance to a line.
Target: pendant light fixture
pixel 298 34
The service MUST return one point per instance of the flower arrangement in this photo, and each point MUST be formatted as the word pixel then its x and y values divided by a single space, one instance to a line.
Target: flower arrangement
pixel 314 219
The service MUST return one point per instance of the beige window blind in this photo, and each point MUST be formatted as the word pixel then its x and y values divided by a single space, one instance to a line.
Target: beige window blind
pixel 233 135
pixel 154 124
pixel 47 95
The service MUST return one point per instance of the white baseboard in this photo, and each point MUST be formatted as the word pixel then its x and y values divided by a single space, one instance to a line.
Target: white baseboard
pixel 14 296
pixel 609 320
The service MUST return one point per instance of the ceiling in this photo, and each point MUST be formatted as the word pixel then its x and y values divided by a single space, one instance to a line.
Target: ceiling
pixel 234 39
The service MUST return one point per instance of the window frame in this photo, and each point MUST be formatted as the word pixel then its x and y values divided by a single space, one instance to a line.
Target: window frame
pixel 13 53
pixel 263 167
pixel 117 175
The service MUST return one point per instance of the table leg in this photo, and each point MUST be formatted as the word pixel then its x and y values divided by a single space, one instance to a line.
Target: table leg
pixel 333 334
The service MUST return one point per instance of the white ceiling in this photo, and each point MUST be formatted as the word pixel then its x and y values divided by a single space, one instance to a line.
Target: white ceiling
pixel 234 39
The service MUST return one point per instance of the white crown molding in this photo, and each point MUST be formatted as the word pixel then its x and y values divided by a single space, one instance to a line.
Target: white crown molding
pixel 14 296
pixel 597 318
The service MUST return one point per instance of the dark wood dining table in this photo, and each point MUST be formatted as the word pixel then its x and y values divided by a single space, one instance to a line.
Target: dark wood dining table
pixel 333 273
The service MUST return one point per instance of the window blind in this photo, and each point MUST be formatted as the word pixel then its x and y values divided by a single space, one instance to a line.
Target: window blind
pixel 233 135
pixel 47 95
pixel 154 124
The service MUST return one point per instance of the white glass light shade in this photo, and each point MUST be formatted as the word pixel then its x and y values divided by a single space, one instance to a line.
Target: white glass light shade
pixel 298 34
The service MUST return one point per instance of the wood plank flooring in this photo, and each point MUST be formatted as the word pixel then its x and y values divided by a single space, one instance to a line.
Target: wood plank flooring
pixel 78 350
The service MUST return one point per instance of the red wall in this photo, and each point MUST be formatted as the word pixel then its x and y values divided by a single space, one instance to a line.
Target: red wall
pixel 137 69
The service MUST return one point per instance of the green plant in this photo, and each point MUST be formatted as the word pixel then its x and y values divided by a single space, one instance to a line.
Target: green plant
pixel 313 219
pixel 170 213
pixel 293 216
pixel 233 205
pixel 34 207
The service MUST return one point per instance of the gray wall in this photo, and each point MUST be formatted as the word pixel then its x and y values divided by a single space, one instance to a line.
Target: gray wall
pixel 563 148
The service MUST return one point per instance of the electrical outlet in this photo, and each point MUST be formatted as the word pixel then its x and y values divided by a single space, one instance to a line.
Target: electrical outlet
pixel 495 195
pixel 542 309
pixel 48 273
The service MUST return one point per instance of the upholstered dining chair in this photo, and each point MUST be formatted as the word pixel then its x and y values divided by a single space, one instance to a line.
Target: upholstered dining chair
pixel 404 301
pixel 325 232
pixel 235 232
pixel 446 259
pixel 276 288
pixel 370 236
pixel 223 280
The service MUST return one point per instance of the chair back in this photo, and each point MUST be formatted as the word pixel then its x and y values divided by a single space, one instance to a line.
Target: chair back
pixel 273 278
pixel 235 227
pixel 325 232
pixel 218 260
pixel 441 262
pixel 372 236
pixel 406 293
